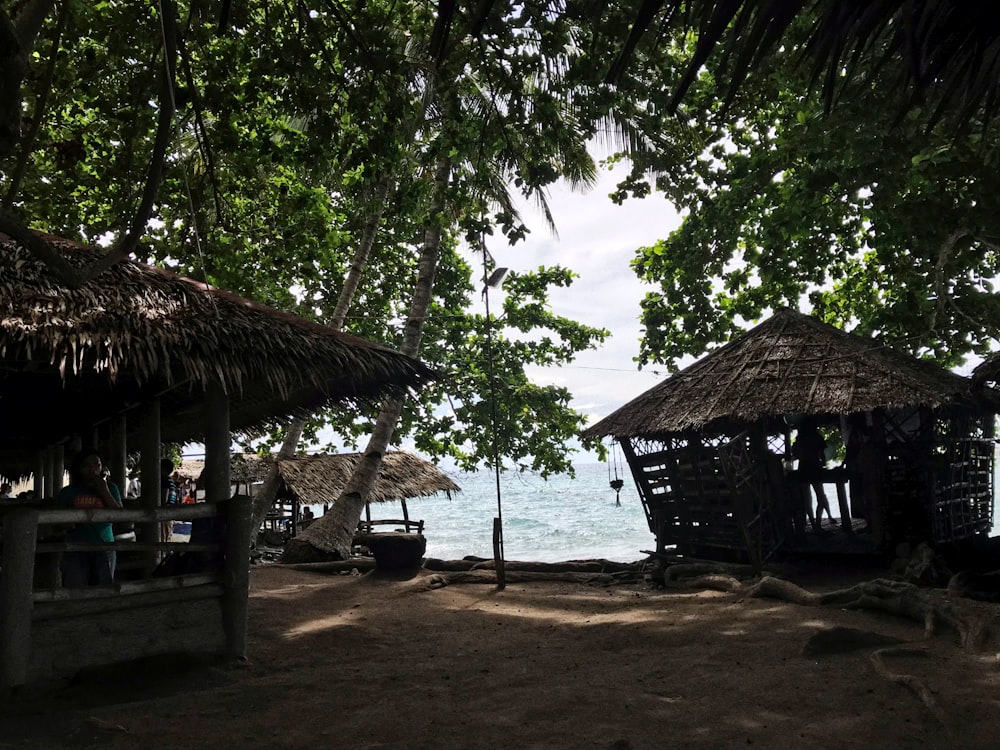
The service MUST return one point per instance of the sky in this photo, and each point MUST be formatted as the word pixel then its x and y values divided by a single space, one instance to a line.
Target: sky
pixel 597 239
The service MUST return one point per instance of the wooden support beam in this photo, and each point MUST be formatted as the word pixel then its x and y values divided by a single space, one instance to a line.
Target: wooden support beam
pixel 217 480
pixel 58 468
pixel 216 475
pixel 149 474
pixel 118 453
pixel 18 559
pixel 41 473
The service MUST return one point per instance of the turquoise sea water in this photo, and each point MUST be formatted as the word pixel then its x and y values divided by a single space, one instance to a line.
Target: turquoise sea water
pixel 543 521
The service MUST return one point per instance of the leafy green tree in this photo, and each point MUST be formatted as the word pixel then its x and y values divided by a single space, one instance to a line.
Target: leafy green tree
pixel 869 219
pixel 293 137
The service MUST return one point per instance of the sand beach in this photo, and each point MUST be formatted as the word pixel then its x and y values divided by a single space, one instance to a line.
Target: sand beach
pixel 369 661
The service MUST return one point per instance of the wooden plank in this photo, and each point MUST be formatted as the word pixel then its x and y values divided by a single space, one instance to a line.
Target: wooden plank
pixel 18 559
pixel 126 547
pixel 52 609
pixel 114 515
pixel 126 587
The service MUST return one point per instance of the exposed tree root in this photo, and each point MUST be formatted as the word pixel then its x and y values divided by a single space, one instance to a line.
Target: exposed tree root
pixel 908 681
pixel 892 597
pixel 440 580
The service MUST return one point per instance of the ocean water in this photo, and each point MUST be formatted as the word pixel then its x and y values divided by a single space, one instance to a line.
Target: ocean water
pixel 543 521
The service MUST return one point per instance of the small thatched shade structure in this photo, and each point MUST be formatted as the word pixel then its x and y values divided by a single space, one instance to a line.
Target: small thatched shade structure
pixel 72 357
pixel 320 479
pixel 706 446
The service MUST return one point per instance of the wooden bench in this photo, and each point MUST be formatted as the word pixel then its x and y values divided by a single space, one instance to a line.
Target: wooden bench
pixel 408 526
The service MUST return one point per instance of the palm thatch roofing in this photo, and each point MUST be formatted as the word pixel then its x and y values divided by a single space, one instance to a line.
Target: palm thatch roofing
pixel 319 479
pixel 789 364
pixel 70 358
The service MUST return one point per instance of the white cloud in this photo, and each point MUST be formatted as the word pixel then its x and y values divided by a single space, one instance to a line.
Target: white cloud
pixel 597 239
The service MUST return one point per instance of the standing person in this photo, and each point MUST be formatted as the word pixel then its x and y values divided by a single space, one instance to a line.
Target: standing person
pixel 89 488
pixel 5 491
pixel 810 450
pixel 169 494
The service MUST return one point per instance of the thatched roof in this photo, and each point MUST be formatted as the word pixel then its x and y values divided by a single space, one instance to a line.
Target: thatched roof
pixel 789 364
pixel 74 357
pixel 244 468
pixel 320 479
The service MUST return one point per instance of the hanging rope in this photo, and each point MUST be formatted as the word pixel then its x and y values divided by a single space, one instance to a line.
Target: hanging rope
pixel 617 483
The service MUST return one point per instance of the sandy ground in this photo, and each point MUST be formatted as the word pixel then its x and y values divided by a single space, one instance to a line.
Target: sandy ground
pixel 374 662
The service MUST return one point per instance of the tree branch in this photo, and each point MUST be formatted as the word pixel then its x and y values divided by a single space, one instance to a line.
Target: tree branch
pixel 36 119
pixel 124 247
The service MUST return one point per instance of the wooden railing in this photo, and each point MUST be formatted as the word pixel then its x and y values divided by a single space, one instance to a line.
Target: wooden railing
pixel 33 619
pixel 409 526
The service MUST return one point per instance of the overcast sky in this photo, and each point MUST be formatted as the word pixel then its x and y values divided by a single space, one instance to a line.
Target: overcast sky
pixel 597 239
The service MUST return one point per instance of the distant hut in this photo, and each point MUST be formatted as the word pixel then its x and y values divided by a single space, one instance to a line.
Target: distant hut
pixel 711 448
pixel 320 479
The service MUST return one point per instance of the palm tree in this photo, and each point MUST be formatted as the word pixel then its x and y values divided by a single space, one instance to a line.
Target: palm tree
pixel 946 53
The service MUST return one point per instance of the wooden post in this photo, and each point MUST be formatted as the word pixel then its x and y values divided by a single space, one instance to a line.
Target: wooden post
pixel 846 524
pixel 41 472
pixel 18 560
pixel 235 601
pixel 217 489
pixel 50 472
pixel 216 475
pixel 498 555
pixel 149 476
pixel 118 458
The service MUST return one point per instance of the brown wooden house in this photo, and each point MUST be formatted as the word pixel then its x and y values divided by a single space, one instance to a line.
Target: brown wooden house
pixel 910 446
pixel 135 358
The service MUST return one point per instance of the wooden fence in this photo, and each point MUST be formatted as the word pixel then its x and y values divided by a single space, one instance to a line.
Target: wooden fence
pixel 49 632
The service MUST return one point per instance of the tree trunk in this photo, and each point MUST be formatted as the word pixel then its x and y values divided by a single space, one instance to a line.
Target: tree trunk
pixel 265 497
pixel 330 536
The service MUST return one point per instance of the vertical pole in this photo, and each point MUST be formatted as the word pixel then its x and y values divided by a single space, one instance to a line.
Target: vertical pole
pixel 149 477
pixel 118 458
pixel 18 560
pixel 498 552
pixel 238 513
pixel 58 468
pixel 40 475
pixel 51 487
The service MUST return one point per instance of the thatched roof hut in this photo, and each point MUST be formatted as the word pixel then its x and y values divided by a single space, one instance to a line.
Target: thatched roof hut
pixel 134 358
pixel 789 364
pixel 711 448
pixel 76 356
pixel 319 479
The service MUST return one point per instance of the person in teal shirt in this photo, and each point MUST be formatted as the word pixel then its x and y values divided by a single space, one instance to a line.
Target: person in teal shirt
pixel 89 488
